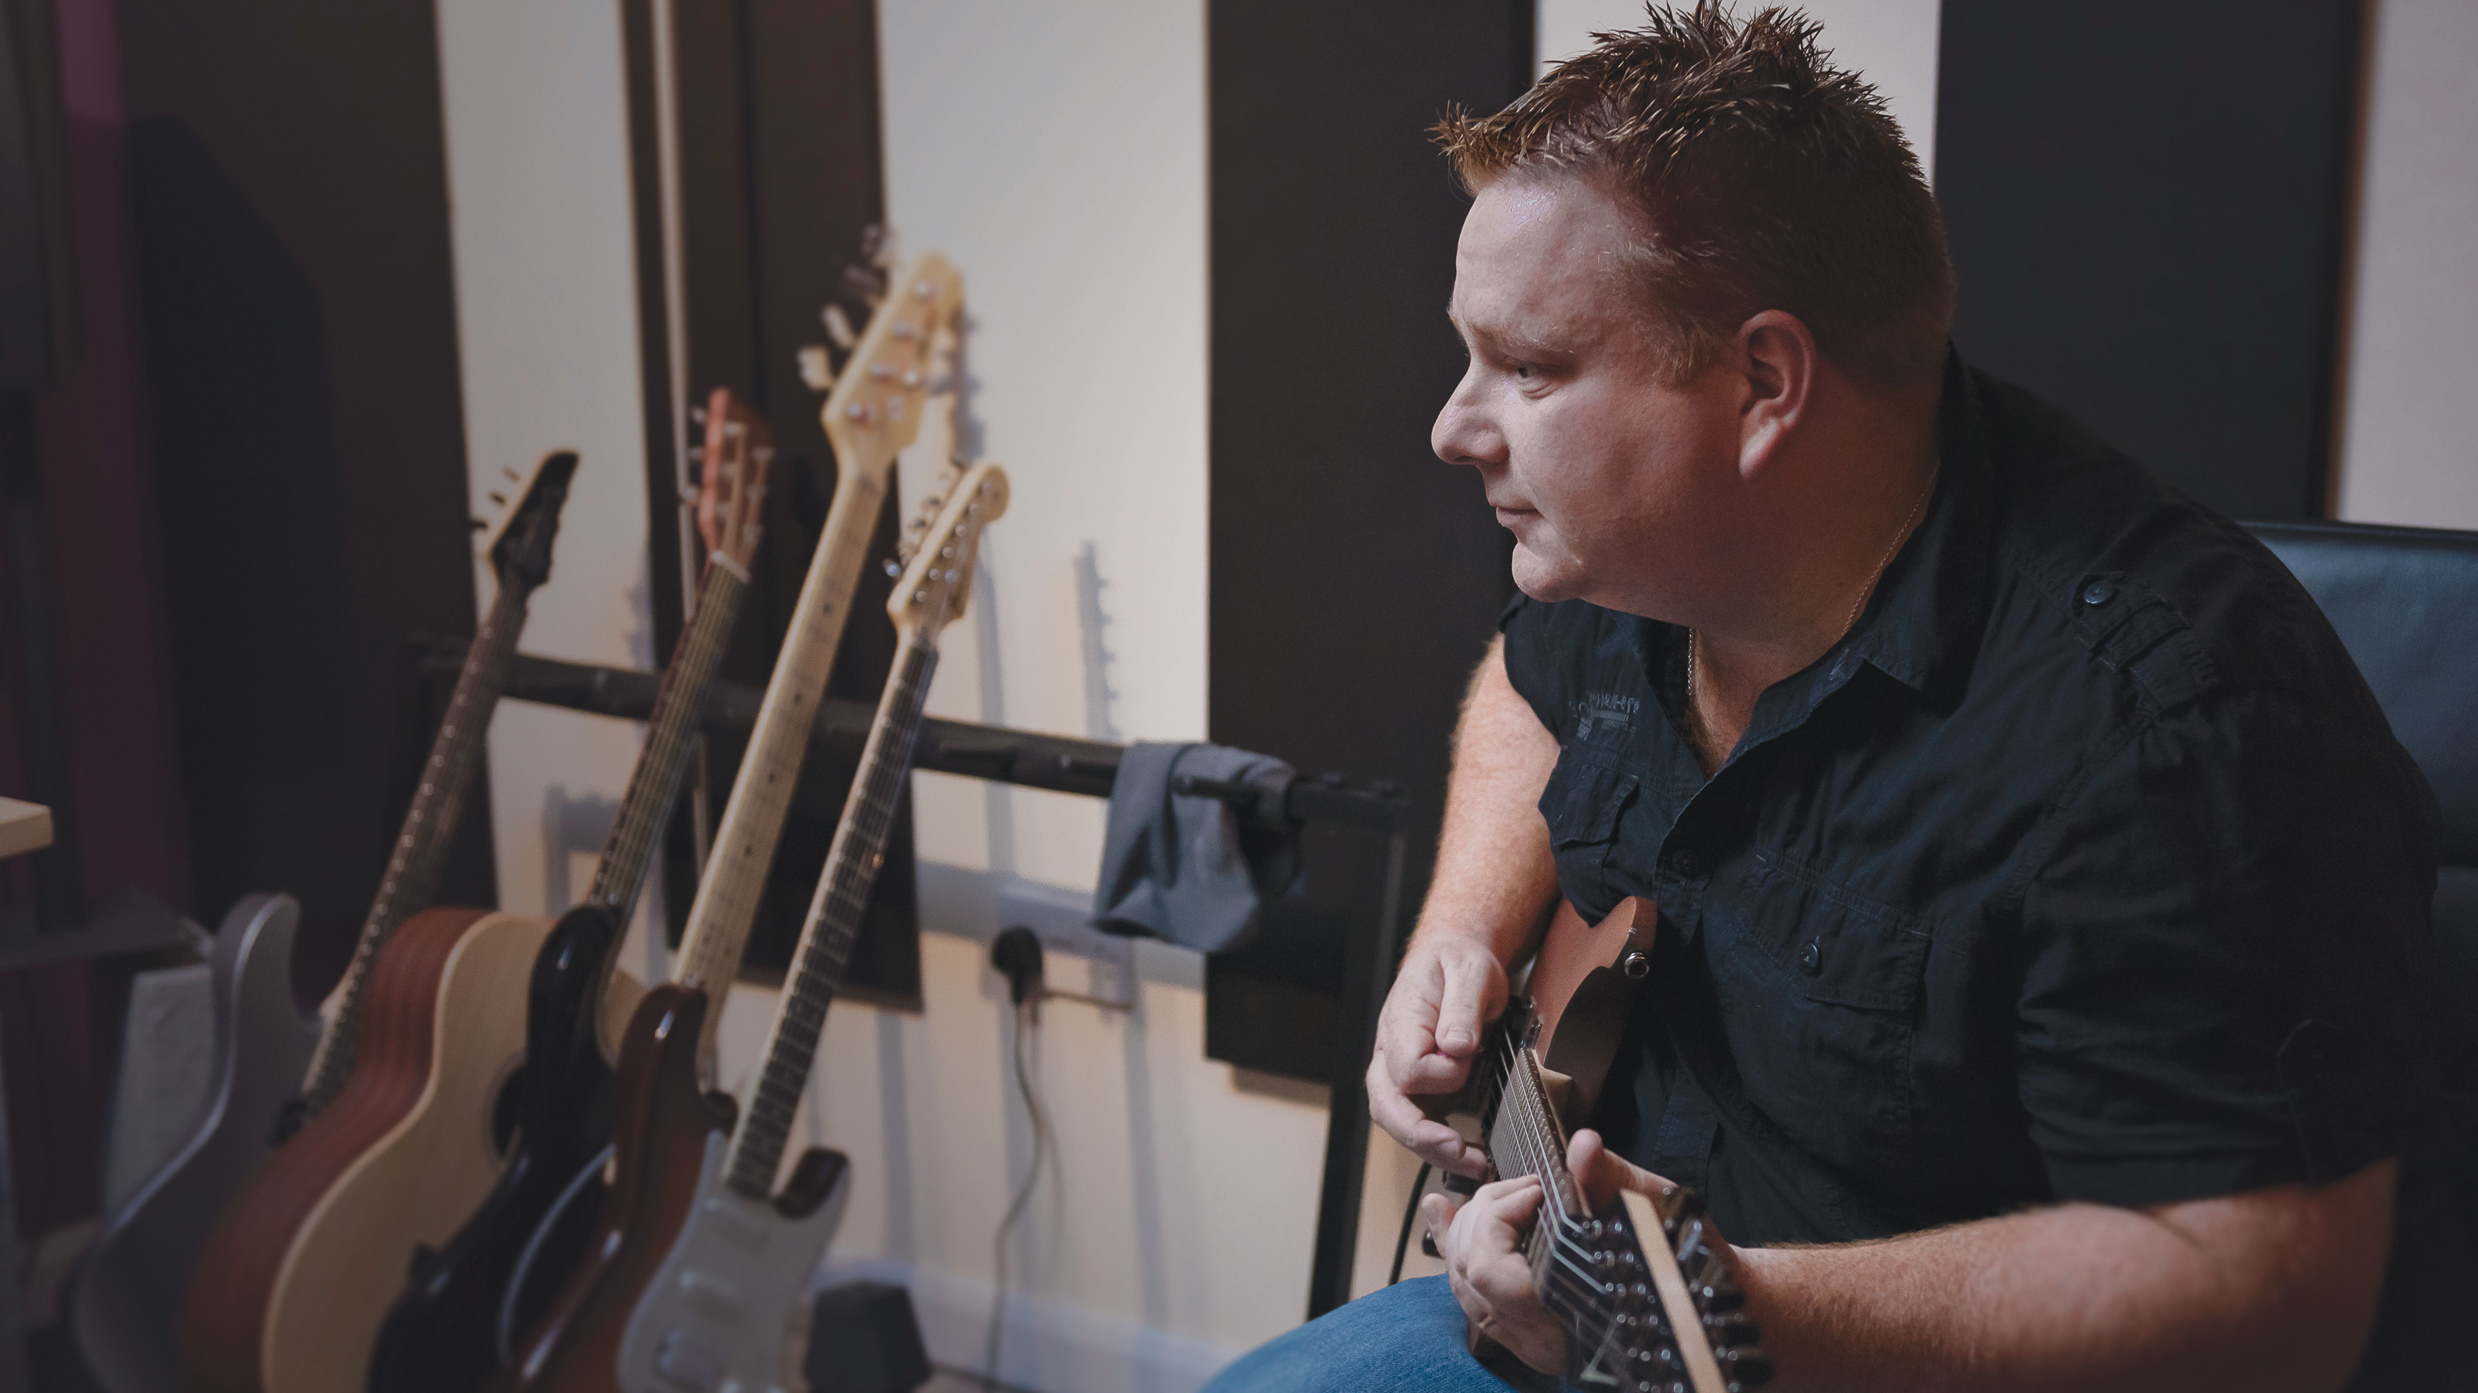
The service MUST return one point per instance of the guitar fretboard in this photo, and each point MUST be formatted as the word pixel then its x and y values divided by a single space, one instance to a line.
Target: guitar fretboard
pixel 412 876
pixel 735 875
pixel 670 735
pixel 834 921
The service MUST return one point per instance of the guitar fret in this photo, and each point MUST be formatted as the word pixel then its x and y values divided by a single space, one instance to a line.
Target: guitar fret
pixel 744 846
pixel 834 919
pixel 671 731
pixel 421 848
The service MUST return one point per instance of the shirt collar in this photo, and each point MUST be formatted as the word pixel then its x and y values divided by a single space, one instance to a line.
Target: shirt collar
pixel 1922 625
pixel 1923 622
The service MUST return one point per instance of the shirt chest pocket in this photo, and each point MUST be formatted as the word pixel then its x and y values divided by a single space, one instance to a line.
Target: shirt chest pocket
pixel 1820 988
pixel 1582 805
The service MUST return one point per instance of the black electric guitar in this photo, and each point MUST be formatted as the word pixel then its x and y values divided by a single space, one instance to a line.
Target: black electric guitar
pixel 1647 1300
pixel 468 1299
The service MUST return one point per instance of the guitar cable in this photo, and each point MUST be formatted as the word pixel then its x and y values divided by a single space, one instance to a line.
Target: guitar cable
pixel 1017 954
pixel 1410 1214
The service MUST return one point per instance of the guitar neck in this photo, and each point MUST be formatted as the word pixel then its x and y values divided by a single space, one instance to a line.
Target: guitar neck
pixel 412 875
pixel 743 850
pixel 1579 1259
pixel 835 913
pixel 670 736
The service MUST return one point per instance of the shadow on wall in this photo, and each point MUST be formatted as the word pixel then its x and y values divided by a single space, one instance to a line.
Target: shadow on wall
pixel 286 691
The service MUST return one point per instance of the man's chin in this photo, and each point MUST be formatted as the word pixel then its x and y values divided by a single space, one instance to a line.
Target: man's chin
pixel 1543 581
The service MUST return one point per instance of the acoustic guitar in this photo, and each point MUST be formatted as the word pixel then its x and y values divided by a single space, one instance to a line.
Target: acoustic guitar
pixel 696 1279
pixel 270 1304
pixel 468 1299
pixel 1647 1301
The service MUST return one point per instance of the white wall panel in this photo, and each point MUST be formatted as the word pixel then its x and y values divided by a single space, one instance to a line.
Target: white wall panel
pixel 2406 454
pixel 1893 42
pixel 546 311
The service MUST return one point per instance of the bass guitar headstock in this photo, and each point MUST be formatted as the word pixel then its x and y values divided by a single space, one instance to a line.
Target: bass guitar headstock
pixel 936 579
pixel 877 403
pixel 521 554
pixel 731 497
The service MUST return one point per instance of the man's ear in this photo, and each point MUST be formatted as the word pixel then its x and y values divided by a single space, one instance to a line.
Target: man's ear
pixel 1777 358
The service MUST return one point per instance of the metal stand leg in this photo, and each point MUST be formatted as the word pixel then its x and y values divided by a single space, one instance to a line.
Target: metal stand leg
pixel 1367 974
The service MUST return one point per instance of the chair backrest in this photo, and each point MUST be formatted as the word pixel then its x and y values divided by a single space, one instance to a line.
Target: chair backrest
pixel 2405 601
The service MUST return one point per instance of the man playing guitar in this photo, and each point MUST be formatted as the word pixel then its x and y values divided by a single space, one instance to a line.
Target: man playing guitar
pixel 2037 992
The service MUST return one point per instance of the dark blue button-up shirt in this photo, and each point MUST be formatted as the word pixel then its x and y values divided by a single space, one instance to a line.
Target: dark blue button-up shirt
pixel 2084 867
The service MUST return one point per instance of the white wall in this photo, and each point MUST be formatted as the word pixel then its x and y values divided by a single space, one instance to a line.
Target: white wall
pixel 1177 1220
pixel 1893 42
pixel 546 312
pixel 2406 454
pixel 1057 155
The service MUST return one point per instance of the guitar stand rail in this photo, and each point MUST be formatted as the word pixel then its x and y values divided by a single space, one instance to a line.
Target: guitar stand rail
pixel 1065 764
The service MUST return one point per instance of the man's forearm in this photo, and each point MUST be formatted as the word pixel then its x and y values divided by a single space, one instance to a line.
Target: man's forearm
pixel 1495 874
pixel 2272 1292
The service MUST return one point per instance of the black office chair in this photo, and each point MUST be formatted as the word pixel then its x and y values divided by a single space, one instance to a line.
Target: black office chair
pixel 2405 601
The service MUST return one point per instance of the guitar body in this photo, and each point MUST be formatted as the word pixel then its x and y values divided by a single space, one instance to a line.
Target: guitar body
pixel 1583 989
pixel 458 1319
pixel 126 1304
pixel 302 1266
pixel 670 1138
pixel 728 1310
pixel 1658 1306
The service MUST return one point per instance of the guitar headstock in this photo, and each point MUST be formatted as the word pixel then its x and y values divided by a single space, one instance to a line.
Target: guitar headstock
pixel 521 555
pixel 731 499
pixel 937 574
pixel 875 408
pixel 1669 1315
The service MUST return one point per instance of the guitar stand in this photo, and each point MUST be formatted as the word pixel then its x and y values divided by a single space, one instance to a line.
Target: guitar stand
pixel 1064 764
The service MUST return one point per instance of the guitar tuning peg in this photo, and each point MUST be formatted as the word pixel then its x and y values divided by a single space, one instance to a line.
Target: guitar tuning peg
pixel 479 525
pixel 894 567
pixel 697 414
pixel 688 495
pixel 817 373
pixel 839 327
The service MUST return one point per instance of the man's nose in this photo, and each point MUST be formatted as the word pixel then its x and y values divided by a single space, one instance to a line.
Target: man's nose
pixel 1464 434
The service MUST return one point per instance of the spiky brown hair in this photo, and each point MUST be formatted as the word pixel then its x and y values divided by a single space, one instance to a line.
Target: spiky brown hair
pixel 1765 177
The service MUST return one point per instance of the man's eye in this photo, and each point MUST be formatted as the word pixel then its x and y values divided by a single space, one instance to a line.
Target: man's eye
pixel 1523 372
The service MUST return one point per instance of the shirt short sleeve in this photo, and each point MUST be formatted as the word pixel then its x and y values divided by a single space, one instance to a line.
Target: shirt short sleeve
pixel 2219 981
pixel 1552 653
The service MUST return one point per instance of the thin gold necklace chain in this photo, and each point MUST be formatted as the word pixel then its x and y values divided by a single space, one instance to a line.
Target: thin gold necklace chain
pixel 1860 603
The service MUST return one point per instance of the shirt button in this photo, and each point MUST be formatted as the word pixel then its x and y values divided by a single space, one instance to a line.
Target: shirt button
pixel 1686 863
pixel 1811 958
pixel 2098 592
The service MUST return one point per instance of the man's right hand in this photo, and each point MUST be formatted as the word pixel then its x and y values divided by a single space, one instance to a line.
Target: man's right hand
pixel 1449 990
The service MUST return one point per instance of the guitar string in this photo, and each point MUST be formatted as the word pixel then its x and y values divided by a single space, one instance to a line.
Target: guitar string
pixel 1529 1135
pixel 822 958
pixel 715 940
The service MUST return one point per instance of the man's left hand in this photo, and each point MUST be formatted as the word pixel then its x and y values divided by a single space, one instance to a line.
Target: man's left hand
pixel 1482 1242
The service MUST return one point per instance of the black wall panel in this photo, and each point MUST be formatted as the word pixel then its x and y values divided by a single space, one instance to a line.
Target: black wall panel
pixel 289 181
pixel 1354 578
pixel 2146 207
pixel 780 164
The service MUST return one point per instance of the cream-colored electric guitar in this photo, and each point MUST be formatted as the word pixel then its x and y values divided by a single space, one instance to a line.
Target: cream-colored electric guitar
pixel 872 413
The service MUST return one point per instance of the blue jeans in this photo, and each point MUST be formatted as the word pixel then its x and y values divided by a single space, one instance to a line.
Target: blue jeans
pixel 1406 1337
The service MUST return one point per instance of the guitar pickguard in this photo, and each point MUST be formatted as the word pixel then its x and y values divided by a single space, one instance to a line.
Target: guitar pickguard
pixel 716 1316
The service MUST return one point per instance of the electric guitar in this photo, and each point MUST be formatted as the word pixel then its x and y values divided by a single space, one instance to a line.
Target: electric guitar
pixel 872 413
pixel 696 1280
pixel 286 1293
pixel 467 1300
pixel 1647 1300
pixel 125 1305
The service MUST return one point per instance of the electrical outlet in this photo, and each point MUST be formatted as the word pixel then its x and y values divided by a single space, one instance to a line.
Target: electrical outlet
pixel 1078 960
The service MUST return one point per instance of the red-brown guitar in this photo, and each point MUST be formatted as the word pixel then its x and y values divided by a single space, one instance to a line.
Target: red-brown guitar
pixel 1647 1300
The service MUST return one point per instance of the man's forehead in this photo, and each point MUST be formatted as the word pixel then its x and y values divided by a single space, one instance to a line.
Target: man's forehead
pixel 1535 265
